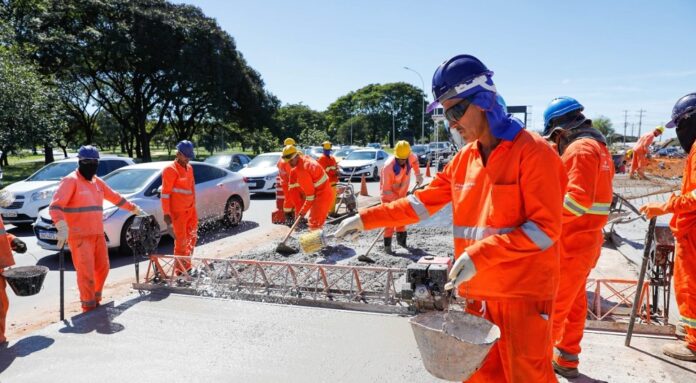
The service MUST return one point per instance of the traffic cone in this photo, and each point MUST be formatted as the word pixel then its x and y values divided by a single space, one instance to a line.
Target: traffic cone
pixel 363 186
pixel 427 169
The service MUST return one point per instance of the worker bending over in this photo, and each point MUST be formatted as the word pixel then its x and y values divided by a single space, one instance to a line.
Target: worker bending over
pixel 641 150
pixel 328 163
pixel 313 182
pixel 393 184
pixel 8 243
pixel 178 200
pixel 77 211
pixel 506 187
pixel 683 225
pixel 590 169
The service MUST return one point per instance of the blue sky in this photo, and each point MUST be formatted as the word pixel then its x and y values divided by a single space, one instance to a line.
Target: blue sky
pixel 610 55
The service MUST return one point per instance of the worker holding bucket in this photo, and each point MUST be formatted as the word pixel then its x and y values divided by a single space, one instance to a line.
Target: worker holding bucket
pixel 8 243
pixel 506 188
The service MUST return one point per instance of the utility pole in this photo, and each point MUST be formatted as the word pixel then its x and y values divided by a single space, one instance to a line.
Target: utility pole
pixel 633 124
pixel 625 125
pixel 640 121
pixel 423 106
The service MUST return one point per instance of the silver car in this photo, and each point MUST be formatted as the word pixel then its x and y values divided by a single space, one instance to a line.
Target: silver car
pixel 220 194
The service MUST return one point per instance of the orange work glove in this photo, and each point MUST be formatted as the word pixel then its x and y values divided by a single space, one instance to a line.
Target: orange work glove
pixel 654 209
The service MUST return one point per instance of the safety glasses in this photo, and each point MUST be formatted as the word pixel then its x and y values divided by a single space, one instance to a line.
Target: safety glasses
pixel 457 111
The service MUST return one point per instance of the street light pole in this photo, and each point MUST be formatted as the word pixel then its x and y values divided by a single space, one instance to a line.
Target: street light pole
pixel 422 106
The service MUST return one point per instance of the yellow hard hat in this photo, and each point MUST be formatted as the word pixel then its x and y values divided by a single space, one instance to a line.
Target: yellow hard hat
pixel 326 145
pixel 402 150
pixel 289 152
pixel 289 141
pixel 629 152
pixel 660 128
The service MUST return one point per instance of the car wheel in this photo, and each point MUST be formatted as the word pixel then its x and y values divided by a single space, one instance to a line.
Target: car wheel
pixel 233 211
pixel 375 174
pixel 123 248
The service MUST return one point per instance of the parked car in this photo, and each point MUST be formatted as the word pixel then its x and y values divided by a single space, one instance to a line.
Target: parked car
pixel 232 162
pixel 672 152
pixel 368 162
pixel 260 174
pixel 343 153
pixel 440 150
pixel 35 192
pixel 374 145
pixel 422 152
pixel 315 151
pixel 220 194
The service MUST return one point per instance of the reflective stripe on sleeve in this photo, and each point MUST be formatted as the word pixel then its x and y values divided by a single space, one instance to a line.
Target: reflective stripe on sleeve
pixel 418 207
pixel 3 231
pixel 321 181
pixel 164 196
pixel 291 186
pixel 572 206
pixel 81 209
pixel 182 191
pixel 536 235
pixel 121 202
pixel 599 208
pixel 309 198
pixel 478 233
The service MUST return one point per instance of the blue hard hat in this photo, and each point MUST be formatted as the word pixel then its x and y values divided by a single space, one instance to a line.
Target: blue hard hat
pixel 185 147
pixel 88 152
pixel 684 107
pixel 461 76
pixel 558 107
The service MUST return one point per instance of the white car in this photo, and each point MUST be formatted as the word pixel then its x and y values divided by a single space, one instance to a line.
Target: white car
pixel 220 194
pixel 35 192
pixel 260 174
pixel 368 162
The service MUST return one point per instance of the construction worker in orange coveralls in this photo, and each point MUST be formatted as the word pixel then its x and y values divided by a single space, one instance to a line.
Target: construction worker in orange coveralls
pixel 291 198
pixel 590 170
pixel 683 225
pixel 393 184
pixel 506 187
pixel 178 200
pixel 77 211
pixel 640 151
pixel 313 183
pixel 328 163
pixel 8 243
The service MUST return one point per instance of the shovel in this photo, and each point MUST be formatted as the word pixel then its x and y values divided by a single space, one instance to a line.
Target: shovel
pixel 282 247
pixel 364 257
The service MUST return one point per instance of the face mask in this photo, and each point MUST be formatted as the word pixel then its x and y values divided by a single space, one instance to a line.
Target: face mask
pixel 686 132
pixel 88 169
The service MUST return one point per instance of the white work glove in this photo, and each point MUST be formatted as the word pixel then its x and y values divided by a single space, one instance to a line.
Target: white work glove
pixel 62 234
pixel 349 226
pixel 462 271
pixel 138 211
pixel 419 179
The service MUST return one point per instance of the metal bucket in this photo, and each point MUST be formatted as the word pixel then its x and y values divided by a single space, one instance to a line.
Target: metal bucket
pixel 453 344
pixel 26 280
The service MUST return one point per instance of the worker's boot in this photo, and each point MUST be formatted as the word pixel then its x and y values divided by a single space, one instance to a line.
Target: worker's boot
pixel 401 238
pixel 387 245
pixel 678 350
pixel 566 372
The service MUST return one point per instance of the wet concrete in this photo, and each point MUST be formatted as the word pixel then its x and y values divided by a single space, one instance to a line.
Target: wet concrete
pixel 194 339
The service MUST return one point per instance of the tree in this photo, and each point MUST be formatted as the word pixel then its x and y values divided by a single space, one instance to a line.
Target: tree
pixel 294 120
pixel 604 125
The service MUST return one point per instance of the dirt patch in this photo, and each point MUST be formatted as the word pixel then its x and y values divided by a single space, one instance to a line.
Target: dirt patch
pixel 666 167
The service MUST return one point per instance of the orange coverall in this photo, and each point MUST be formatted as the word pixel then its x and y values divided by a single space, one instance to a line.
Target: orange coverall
pixel 507 217
pixel 6 260
pixel 394 186
pixel 328 163
pixel 292 198
pixel 586 209
pixel 313 182
pixel 78 202
pixel 640 150
pixel 179 201
pixel 683 225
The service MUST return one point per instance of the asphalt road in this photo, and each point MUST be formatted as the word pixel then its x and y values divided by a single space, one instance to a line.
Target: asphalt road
pixel 22 309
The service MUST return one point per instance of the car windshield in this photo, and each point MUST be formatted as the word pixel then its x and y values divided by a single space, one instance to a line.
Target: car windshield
pixel 54 171
pixel 343 153
pixel 264 161
pixel 218 160
pixel 128 181
pixel 420 148
pixel 361 156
